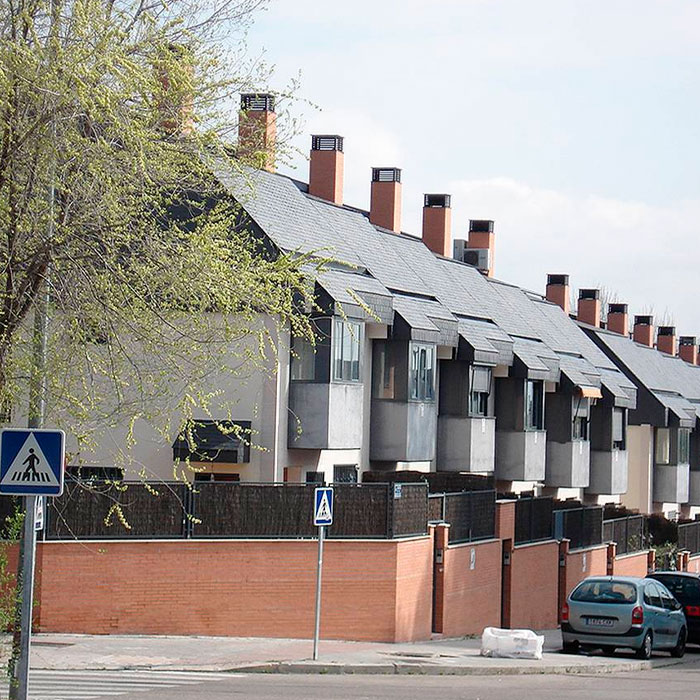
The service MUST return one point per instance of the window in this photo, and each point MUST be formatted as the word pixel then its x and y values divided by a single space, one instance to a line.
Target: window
pixel 347 336
pixel 479 390
pixel 618 428
pixel 345 473
pixel 683 446
pixel 315 478
pixel 613 592
pixel 422 372
pixel 652 595
pixel 580 420
pixel 534 405
pixel 384 362
pixel 94 473
pixel 303 360
pixel 663 446
pixel 209 476
pixel 214 441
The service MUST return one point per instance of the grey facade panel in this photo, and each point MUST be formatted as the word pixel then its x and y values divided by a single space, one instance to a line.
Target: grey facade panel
pixel 520 455
pixel 671 483
pixel 694 488
pixel 402 431
pixel 466 444
pixel 325 416
pixel 609 472
pixel 568 464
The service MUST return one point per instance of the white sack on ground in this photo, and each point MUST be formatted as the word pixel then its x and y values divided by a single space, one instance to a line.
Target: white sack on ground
pixel 511 644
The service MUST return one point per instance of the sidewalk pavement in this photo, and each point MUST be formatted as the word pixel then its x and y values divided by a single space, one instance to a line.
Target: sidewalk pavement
pixel 246 654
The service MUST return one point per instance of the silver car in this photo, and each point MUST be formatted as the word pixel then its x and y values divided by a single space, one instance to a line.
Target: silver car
pixel 616 611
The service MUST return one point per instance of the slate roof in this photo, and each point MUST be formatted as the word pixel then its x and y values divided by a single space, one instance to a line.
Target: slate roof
pixel 438 297
pixel 673 382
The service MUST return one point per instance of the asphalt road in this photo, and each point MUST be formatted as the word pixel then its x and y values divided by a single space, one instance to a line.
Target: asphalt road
pixel 682 681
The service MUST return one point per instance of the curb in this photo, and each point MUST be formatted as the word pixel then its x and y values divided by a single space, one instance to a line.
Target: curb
pixel 423 669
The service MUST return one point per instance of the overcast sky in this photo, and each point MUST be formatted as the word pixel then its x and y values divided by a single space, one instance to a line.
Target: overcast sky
pixel 573 124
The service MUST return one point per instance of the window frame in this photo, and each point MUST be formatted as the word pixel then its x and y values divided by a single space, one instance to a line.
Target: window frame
pixel 422 379
pixel 478 401
pixel 347 334
pixel 534 388
pixel 683 446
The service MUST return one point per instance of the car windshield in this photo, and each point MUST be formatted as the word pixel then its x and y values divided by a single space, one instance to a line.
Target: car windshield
pixel 605 592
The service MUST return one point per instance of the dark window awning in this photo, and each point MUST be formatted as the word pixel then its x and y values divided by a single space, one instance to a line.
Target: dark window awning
pixel 425 320
pixel 683 410
pixel 618 389
pixel 580 375
pixel 482 342
pixel 214 441
pixel 534 360
pixel 357 296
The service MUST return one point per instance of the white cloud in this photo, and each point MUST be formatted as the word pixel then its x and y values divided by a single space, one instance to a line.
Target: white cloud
pixel 644 254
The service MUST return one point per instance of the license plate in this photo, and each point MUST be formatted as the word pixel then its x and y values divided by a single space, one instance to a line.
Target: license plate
pixel 599 622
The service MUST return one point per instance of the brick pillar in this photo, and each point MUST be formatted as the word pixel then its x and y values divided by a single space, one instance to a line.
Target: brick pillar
pixel 682 560
pixel 563 561
pixel 612 553
pixel 506 577
pixel 441 539
pixel 505 520
pixel 651 561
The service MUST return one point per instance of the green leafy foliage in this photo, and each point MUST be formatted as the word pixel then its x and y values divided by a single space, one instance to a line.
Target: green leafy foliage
pixel 113 115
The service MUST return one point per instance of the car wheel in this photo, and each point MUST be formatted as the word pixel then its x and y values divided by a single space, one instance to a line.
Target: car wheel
pixel 570 647
pixel 644 651
pixel 679 650
pixel 608 650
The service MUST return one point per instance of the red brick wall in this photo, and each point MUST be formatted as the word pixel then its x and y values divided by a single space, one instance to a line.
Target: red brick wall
pixel 596 564
pixel 534 586
pixel 694 565
pixel 472 598
pixel 414 590
pixel 631 564
pixel 371 590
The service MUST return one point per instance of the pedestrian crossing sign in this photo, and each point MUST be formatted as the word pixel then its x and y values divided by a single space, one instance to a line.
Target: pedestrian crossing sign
pixel 323 506
pixel 31 462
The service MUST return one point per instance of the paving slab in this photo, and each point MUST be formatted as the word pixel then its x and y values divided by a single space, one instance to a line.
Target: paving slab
pixel 265 655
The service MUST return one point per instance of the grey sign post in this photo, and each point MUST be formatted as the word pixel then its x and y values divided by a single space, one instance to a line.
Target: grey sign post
pixel 323 517
pixel 31 465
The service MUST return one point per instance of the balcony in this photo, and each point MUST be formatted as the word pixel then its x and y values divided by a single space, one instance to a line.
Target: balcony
pixel 608 472
pixel 694 492
pixel 466 444
pixel 325 415
pixel 568 464
pixel 403 431
pixel 520 455
pixel 671 483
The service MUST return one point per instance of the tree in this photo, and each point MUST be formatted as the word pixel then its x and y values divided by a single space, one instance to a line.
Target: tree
pixel 112 115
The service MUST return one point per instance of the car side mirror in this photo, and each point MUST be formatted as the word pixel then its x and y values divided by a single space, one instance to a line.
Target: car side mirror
pixel 677 605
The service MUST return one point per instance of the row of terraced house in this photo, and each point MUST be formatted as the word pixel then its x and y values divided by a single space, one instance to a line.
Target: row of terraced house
pixel 424 361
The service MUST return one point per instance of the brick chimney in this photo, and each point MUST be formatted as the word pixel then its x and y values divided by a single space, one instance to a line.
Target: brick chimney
pixel 589 307
pixel 643 331
pixel 688 348
pixel 558 291
pixel 257 130
pixel 618 319
pixel 437 223
pixel 385 198
pixel 326 168
pixel 176 101
pixel 481 237
pixel 666 340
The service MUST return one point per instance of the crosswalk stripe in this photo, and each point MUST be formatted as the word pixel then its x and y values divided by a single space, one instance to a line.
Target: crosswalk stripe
pixel 91 685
